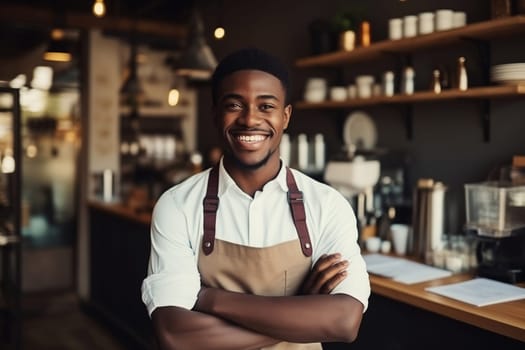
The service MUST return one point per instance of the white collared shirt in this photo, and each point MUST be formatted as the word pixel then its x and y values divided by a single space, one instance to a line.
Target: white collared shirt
pixel 264 220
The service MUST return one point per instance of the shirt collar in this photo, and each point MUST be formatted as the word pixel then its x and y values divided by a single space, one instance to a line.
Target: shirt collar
pixel 226 182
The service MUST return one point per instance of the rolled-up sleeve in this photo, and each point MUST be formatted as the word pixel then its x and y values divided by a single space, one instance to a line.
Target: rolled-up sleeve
pixel 173 278
pixel 339 235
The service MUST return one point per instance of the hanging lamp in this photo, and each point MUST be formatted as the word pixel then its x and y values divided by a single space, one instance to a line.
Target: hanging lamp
pixel 131 90
pixel 197 61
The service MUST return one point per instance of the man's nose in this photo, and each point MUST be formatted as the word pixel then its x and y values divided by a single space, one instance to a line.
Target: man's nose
pixel 251 117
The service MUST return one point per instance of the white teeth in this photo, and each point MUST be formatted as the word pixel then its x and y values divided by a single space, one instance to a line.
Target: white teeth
pixel 251 138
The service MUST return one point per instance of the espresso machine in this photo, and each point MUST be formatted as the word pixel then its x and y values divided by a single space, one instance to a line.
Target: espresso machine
pixel 495 214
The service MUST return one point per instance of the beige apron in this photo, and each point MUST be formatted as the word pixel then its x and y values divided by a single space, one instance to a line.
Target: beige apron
pixel 271 271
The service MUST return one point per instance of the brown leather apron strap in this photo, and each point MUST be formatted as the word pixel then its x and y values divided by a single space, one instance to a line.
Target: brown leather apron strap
pixel 210 204
pixel 295 200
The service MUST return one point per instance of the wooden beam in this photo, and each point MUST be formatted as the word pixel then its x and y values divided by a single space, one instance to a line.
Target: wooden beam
pixel 48 18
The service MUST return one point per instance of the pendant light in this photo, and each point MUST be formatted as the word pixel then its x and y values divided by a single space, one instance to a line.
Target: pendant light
pixel 99 8
pixel 131 95
pixel 131 90
pixel 197 61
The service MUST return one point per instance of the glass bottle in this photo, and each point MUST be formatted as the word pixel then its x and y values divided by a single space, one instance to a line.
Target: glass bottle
pixel 365 34
pixel 462 74
pixel 436 81
pixel 408 80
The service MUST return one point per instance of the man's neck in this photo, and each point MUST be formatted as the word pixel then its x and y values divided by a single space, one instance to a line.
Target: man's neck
pixel 253 180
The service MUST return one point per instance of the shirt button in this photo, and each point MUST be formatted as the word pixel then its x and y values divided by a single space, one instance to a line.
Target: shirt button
pixel 207 244
pixel 307 245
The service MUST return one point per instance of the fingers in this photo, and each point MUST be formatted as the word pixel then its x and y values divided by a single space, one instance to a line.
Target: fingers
pixel 329 285
pixel 329 277
pixel 326 274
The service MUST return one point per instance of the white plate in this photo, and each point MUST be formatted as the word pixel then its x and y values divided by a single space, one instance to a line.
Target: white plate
pixel 359 129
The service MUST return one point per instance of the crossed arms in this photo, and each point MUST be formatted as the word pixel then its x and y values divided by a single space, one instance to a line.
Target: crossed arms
pixel 229 320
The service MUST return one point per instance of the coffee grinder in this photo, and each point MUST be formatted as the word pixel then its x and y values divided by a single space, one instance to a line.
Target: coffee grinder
pixel 495 214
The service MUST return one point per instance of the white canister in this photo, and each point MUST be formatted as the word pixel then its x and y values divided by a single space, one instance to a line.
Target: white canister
pixel 302 151
pixel 408 80
pixel 409 26
pixel 285 149
pixel 426 23
pixel 364 86
pixel 395 28
pixel 338 93
pixel 319 152
pixel 315 90
pixel 459 19
pixel 444 19
pixel 388 83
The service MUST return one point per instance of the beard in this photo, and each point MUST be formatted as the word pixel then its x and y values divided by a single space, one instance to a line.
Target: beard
pixel 251 167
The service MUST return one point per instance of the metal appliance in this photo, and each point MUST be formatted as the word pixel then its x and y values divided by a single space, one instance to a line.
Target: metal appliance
pixel 495 214
pixel 355 179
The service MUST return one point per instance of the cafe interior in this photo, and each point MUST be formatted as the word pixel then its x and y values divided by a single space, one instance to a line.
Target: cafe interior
pixel 413 110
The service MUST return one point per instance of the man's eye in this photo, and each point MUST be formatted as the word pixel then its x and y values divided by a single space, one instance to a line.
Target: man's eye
pixel 233 106
pixel 266 107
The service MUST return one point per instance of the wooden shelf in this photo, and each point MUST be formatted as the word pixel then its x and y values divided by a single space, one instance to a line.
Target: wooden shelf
pixel 499 91
pixel 486 30
pixel 166 112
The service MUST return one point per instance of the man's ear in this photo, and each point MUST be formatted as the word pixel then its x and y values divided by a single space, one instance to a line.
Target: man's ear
pixel 287 116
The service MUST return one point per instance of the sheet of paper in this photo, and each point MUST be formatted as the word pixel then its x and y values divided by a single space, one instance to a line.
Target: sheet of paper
pixel 480 291
pixel 402 270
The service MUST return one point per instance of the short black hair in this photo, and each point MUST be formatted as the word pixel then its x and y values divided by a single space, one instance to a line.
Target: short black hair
pixel 250 58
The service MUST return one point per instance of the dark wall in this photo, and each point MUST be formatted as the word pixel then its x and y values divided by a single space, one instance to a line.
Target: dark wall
pixel 448 140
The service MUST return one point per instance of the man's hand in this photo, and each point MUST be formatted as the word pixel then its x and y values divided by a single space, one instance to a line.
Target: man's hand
pixel 327 273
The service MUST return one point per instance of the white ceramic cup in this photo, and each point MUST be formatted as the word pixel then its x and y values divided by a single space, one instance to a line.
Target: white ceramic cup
pixel 399 234
pixel 386 246
pixel 459 19
pixel 364 85
pixel 373 244
pixel 444 19
pixel 425 23
pixel 338 93
pixel 395 28
pixel 409 26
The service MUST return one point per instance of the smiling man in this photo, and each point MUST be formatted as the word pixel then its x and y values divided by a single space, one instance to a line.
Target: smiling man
pixel 251 254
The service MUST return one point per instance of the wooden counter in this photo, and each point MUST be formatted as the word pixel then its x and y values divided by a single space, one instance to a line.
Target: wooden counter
pixel 507 319
pixel 119 209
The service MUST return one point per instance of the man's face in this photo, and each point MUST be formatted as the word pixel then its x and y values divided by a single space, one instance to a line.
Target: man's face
pixel 251 115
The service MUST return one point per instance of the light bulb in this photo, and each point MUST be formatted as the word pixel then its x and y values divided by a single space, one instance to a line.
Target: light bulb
pixel 99 8
pixel 8 163
pixel 31 151
pixel 219 33
pixel 173 97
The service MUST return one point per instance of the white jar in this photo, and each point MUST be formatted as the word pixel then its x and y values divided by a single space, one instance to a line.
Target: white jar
pixel 459 19
pixel 388 83
pixel 408 81
pixel 338 93
pixel 426 23
pixel 364 85
pixel 302 151
pixel 409 26
pixel 285 149
pixel 444 19
pixel 319 152
pixel 395 28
